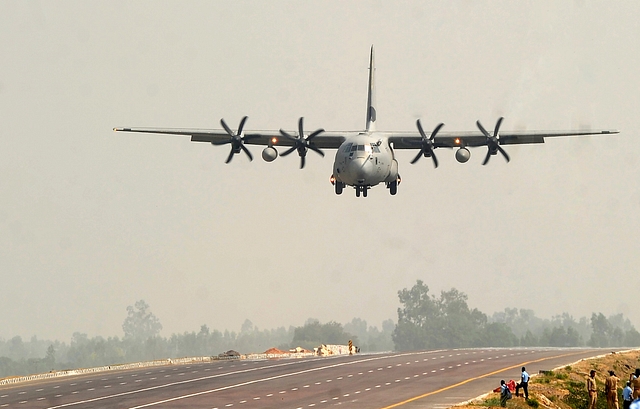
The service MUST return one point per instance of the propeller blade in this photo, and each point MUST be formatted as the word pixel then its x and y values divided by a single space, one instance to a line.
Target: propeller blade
pixel 230 156
pixel 302 161
pixel 435 160
pixel 241 126
pixel 484 131
pixel 419 125
pixel 486 158
pixel 226 127
pixel 316 150
pixel 497 129
pixel 245 150
pixel 300 132
pixel 418 156
pixel 504 153
pixel 288 151
pixel 286 135
pixel 314 134
pixel 436 130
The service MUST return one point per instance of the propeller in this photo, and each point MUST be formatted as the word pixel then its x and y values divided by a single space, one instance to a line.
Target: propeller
pixel 302 144
pixel 426 144
pixel 493 141
pixel 236 139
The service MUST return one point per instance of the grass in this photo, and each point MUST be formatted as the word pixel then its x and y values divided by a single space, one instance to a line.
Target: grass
pixel 533 403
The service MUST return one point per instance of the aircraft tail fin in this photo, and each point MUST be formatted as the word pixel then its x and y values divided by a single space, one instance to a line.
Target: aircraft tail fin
pixel 371 98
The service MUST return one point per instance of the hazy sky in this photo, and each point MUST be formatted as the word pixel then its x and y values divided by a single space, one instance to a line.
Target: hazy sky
pixel 92 220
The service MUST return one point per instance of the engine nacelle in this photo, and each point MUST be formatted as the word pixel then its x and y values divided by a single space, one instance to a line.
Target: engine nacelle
pixel 463 155
pixel 269 154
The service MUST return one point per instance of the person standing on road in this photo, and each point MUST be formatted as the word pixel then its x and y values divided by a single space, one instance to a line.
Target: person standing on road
pixel 627 392
pixel 611 390
pixel 524 384
pixel 592 389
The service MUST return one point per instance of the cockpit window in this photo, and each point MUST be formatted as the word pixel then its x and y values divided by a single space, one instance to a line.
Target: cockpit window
pixel 347 147
pixel 354 148
pixel 360 147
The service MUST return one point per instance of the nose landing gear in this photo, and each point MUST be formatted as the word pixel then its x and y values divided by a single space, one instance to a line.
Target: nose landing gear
pixel 361 189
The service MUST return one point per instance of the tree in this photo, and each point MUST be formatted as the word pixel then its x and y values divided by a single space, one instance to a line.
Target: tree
pixel 140 323
pixel 50 359
pixel 416 320
pixel 602 331
pixel 447 322
pixel 528 340
pixel 496 334
pixel 632 338
pixel 313 334
pixel 461 325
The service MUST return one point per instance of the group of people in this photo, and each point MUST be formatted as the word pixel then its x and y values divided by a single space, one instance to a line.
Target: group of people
pixel 505 392
pixel 630 393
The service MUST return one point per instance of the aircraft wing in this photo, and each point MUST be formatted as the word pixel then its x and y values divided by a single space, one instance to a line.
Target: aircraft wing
pixel 325 140
pixel 411 140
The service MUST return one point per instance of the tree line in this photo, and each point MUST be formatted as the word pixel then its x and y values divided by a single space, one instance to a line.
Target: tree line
pixel 424 322
pixel 142 342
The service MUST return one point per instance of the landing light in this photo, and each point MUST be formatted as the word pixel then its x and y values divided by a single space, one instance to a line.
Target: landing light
pixel 332 179
pixel 456 141
pixel 274 140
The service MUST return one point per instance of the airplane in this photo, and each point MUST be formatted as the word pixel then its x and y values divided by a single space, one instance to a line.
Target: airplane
pixel 365 158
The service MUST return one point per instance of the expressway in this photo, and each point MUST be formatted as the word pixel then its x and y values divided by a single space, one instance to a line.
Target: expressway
pixel 425 379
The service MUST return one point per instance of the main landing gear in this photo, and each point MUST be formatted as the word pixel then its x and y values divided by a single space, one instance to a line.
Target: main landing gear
pixel 393 186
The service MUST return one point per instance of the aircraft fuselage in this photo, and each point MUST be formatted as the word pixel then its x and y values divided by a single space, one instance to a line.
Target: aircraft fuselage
pixel 365 160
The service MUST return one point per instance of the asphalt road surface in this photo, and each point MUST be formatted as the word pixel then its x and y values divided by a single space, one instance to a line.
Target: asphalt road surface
pixel 424 379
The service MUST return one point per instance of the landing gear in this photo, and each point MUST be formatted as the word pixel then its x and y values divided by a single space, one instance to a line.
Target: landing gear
pixel 339 186
pixel 393 187
pixel 361 189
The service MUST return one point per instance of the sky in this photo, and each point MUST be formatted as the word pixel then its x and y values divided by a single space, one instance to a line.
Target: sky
pixel 92 220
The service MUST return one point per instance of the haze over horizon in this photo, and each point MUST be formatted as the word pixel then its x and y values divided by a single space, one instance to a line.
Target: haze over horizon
pixel 92 221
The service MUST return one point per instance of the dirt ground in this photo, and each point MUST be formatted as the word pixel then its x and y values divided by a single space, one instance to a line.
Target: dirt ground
pixel 548 390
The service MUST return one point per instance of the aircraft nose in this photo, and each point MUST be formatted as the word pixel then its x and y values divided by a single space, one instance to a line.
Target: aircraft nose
pixel 359 168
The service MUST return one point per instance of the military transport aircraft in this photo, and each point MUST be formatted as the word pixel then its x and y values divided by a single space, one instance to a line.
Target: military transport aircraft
pixel 365 158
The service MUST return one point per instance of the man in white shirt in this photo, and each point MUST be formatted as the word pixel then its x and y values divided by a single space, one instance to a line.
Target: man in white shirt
pixel 524 384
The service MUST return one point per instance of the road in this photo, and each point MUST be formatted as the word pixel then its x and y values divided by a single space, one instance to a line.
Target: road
pixel 424 379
